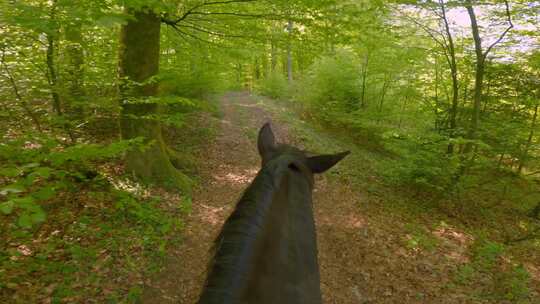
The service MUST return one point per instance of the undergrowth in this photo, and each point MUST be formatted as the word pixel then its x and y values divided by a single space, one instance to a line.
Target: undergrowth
pixel 75 227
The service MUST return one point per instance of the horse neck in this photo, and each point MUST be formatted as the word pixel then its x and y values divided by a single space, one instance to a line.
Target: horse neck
pixel 285 269
pixel 236 245
pixel 271 228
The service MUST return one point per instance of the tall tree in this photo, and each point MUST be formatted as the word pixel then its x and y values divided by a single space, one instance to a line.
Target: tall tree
pixel 444 38
pixel 481 56
pixel 138 66
pixel 74 70
pixel 289 51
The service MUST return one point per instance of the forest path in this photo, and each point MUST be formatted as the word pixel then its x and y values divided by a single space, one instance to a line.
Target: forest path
pixel 362 258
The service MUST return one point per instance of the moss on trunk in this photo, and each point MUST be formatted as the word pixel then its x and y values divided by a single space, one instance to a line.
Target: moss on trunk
pixel 138 62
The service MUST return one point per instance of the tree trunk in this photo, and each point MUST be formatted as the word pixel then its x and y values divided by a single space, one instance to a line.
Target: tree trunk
pixel 525 154
pixel 403 109
pixel 74 70
pixel 436 84
pixel 383 95
pixel 364 79
pixel 535 212
pixel 289 52
pixel 264 64
pixel 52 75
pixel 454 107
pixel 454 73
pixel 479 77
pixel 24 105
pixel 273 55
pixel 138 62
pixel 257 69
pixel 239 75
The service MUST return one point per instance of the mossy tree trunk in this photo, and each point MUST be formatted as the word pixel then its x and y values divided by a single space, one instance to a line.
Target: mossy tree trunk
pixel 138 63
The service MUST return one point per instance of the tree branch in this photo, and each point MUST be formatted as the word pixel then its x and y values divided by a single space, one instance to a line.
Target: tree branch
pixel 22 102
pixel 175 27
pixel 241 15
pixel 192 10
pixel 501 37
pixel 200 29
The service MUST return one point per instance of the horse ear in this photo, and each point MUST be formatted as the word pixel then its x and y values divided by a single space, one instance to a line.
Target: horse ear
pixel 321 163
pixel 266 141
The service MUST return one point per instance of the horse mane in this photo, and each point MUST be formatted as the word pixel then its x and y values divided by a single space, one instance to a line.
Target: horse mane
pixel 234 247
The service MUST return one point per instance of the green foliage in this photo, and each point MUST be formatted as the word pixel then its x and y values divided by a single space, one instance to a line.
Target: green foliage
pixel 499 281
pixel 332 86
pixel 487 253
pixel 197 83
pixel 274 85
pixel 58 194
pixel 514 284
pixel 465 274
pixel 422 163
pixel 36 171
pixel 419 239
pixel 126 235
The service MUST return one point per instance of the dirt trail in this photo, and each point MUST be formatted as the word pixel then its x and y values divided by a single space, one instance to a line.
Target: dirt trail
pixel 361 260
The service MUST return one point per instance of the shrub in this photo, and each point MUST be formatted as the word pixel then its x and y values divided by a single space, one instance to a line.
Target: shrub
pixel 274 85
pixel 513 285
pixel 332 85
pixel 499 281
pixel 486 254
pixel 191 84
pixel 423 163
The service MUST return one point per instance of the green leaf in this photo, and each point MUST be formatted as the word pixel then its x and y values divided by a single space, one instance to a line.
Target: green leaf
pixel 27 203
pixel 30 165
pixel 111 20
pixel 44 193
pixel 6 207
pixel 44 172
pixel 9 171
pixel 25 221
pixel 38 217
pixel 13 188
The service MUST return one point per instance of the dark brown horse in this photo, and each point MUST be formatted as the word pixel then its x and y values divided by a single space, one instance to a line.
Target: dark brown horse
pixel 266 252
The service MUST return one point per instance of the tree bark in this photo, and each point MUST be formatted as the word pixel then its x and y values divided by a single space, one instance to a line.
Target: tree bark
pixel 481 56
pixel 264 64
pixel 525 154
pixel 273 55
pixel 289 52
pixel 364 79
pixel 454 73
pixel 74 69
pixel 239 75
pixel 257 69
pixel 535 212
pixel 403 109
pixel 383 95
pixel 52 75
pixel 24 105
pixel 138 62
pixel 479 77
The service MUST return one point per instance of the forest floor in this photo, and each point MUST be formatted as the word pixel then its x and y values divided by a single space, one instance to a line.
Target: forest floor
pixel 367 254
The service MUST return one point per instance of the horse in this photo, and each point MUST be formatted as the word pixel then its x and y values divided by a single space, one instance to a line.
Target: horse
pixel 266 251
